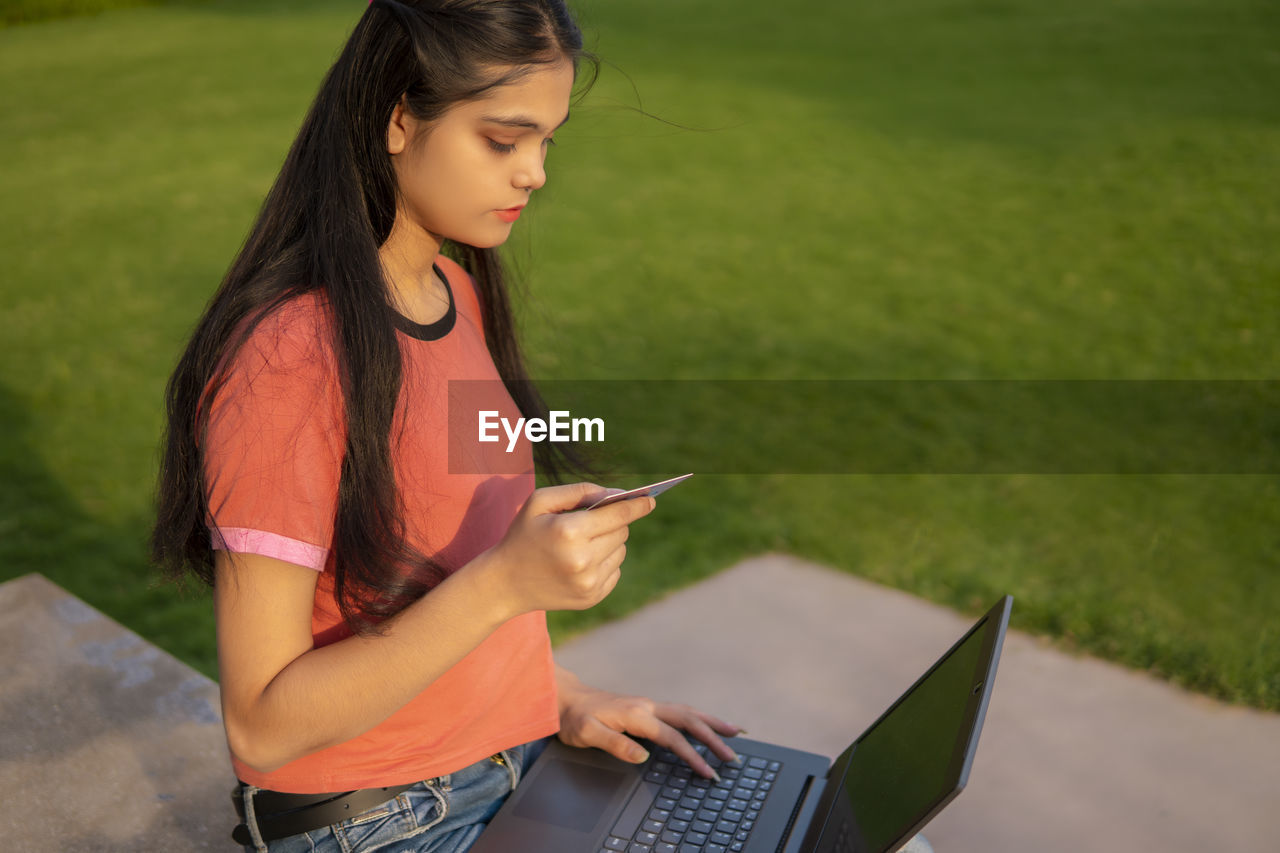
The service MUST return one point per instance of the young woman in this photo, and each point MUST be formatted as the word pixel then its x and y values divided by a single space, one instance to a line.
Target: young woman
pixel 385 668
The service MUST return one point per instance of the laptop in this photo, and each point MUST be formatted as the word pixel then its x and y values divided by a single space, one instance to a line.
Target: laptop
pixel 901 772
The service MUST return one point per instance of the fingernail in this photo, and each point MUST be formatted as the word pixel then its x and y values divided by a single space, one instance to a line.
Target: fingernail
pixel 714 774
pixel 639 755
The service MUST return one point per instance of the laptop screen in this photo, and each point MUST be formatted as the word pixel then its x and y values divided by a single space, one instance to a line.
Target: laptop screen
pixel 913 760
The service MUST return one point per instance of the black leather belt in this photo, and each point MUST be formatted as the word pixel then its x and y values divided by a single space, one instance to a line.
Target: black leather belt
pixel 280 815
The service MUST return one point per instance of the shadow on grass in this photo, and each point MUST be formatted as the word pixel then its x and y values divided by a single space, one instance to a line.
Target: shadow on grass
pixel 44 529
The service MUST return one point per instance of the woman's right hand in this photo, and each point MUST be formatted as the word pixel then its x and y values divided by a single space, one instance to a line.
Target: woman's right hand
pixel 557 557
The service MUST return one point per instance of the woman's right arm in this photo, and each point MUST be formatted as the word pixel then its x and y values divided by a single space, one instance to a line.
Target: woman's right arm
pixel 282 698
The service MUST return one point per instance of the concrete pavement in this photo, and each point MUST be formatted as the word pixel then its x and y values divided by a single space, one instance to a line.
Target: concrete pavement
pixel 1076 754
pixel 109 744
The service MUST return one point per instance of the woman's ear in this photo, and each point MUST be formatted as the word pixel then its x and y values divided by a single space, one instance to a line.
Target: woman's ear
pixel 398 129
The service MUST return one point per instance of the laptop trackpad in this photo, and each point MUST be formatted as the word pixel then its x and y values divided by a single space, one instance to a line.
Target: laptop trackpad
pixel 570 794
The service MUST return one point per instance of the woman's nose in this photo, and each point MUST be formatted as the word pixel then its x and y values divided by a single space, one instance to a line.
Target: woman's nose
pixel 532 173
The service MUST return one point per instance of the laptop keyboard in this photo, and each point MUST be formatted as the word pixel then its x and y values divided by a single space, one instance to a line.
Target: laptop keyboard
pixel 692 814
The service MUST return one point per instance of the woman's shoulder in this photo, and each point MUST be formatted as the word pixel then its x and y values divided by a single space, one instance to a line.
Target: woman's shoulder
pixel 295 333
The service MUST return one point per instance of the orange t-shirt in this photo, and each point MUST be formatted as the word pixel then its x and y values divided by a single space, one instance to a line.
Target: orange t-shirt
pixel 273 453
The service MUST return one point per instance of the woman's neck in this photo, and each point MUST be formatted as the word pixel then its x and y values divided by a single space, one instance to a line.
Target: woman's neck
pixel 408 259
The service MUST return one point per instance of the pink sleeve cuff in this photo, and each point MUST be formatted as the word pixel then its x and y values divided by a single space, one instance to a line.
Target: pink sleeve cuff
pixel 243 540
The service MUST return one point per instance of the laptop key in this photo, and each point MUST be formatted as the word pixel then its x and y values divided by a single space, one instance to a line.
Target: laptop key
pixel 690 813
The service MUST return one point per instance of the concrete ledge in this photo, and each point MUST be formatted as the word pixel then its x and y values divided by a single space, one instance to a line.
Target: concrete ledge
pixel 106 742
pixel 1076 754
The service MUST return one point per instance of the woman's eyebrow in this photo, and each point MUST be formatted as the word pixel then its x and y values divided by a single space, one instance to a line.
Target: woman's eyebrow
pixel 521 121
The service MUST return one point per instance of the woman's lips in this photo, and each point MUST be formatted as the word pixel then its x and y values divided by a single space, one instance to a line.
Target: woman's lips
pixel 511 214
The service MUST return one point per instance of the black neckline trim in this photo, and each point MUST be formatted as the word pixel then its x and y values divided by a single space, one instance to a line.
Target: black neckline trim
pixel 430 331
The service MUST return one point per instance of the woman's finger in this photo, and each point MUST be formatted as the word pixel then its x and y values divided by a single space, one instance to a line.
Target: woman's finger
pixel 703 731
pixel 673 739
pixel 597 734
pixel 562 498
pixel 608 518
pixel 607 543
pixel 719 725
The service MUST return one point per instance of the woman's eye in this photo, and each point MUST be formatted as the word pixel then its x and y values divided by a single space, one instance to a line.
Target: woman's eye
pixel 501 147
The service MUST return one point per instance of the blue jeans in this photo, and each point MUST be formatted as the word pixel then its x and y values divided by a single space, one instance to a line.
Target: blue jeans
pixel 441 815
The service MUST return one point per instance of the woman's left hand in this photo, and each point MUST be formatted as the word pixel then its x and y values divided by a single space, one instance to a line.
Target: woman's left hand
pixel 598 718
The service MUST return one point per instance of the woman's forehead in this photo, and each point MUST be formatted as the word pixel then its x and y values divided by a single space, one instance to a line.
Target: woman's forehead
pixel 537 100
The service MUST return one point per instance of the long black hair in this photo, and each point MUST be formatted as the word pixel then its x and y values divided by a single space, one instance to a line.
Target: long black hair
pixel 319 230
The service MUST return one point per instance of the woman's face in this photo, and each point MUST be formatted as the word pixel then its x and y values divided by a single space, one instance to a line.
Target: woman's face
pixel 466 176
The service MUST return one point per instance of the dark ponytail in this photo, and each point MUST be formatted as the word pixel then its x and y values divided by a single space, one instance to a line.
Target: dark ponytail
pixel 319 230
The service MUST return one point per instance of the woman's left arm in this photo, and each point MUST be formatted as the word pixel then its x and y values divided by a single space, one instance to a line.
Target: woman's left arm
pixel 598 718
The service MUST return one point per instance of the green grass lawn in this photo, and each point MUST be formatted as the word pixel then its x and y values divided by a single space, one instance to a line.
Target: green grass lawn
pixel 15 12
pixel 935 190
